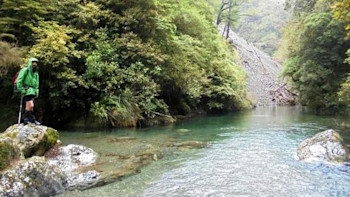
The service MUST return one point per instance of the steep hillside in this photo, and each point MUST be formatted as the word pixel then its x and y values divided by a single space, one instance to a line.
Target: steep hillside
pixel 265 87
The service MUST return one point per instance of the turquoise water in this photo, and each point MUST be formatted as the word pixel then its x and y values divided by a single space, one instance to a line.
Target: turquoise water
pixel 250 154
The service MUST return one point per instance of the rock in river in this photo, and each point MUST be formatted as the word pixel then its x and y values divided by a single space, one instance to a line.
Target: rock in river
pixel 24 173
pixel 326 146
pixel 73 156
pixel 32 177
pixel 32 140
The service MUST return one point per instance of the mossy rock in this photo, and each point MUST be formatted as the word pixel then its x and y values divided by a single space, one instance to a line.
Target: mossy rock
pixel 32 177
pixel 32 140
pixel 327 146
pixel 8 152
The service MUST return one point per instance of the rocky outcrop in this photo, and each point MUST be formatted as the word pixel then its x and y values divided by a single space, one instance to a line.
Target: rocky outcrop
pixel 32 177
pixel 31 140
pixel 326 146
pixel 37 176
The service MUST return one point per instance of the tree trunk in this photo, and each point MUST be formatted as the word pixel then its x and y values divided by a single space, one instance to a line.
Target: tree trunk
pixel 229 19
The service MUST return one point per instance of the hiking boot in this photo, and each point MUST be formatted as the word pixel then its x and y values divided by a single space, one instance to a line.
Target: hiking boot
pixel 26 121
pixel 26 118
pixel 36 122
pixel 32 118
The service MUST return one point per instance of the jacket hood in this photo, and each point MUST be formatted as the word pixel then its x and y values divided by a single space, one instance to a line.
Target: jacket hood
pixel 30 61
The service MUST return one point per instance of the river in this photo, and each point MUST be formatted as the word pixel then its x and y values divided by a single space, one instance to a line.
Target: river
pixel 251 153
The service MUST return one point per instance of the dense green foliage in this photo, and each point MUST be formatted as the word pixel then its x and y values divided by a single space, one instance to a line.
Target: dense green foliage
pixel 121 61
pixel 341 11
pixel 315 46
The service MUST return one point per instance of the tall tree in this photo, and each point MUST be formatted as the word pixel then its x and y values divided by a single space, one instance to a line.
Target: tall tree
pixel 228 13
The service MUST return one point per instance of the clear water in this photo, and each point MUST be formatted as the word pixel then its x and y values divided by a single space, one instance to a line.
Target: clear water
pixel 250 154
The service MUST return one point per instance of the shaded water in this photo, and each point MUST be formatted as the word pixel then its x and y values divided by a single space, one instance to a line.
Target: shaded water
pixel 250 154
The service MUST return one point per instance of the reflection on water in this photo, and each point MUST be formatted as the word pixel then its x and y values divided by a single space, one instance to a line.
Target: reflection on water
pixel 251 154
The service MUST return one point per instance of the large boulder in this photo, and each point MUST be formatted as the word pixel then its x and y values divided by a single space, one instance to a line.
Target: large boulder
pixel 326 146
pixel 64 168
pixel 71 157
pixel 32 140
pixel 32 177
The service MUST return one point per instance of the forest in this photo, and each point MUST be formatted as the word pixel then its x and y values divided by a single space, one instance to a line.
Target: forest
pixel 130 63
pixel 124 63
pixel 315 49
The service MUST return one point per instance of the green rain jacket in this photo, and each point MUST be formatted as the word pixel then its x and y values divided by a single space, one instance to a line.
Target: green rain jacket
pixel 28 81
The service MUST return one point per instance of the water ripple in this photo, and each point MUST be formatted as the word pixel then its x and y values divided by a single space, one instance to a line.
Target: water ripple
pixel 257 162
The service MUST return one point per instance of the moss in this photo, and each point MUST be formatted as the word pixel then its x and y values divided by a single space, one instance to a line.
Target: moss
pixel 7 153
pixel 49 141
pixel 13 134
pixel 51 138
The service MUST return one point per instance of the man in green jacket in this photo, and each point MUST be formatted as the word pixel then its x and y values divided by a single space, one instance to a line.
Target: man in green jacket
pixel 28 86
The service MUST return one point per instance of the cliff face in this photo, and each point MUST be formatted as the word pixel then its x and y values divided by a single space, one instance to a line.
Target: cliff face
pixel 265 86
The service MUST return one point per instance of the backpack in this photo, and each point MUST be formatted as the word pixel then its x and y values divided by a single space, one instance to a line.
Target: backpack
pixel 15 80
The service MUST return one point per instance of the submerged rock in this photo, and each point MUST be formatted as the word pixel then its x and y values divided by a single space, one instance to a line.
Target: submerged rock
pixel 72 157
pixel 326 146
pixel 32 177
pixel 122 139
pixel 187 144
pixel 32 140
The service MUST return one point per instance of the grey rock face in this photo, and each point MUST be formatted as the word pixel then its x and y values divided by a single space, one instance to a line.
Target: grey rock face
pixel 33 177
pixel 73 156
pixel 326 146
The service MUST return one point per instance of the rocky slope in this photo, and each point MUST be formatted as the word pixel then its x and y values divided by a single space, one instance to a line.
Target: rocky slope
pixel 265 87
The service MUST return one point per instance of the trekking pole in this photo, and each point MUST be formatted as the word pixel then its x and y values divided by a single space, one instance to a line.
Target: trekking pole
pixel 20 110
